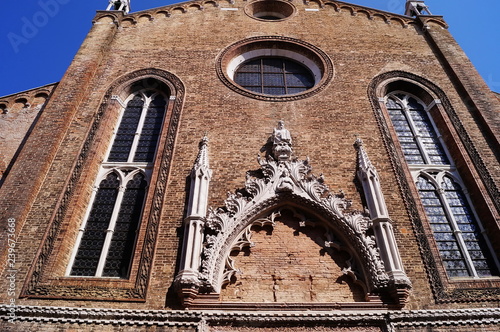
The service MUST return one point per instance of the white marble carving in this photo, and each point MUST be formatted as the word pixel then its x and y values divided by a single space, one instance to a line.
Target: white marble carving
pixel 382 224
pixel 123 5
pixel 194 223
pixel 283 182
pixel 284 179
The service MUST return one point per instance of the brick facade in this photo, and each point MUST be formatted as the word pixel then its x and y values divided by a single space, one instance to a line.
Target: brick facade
pixel 186 48
pixel 18 115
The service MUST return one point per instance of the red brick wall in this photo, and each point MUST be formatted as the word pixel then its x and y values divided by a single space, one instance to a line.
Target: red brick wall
pixel 289 264
pixel 18 113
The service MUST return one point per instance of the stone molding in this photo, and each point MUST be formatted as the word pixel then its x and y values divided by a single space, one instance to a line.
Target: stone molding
pixel 387 320
pixel 314 54
pixel 442 292
pixel 34 286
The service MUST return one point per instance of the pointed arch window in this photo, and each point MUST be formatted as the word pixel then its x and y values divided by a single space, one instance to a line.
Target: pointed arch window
pixel 106 239
pixel 137 135
pixel 460 238
pixel 419 140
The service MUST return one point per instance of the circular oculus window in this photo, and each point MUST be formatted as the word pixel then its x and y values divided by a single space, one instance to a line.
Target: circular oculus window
pixel 270 10
pixel 274 68
pixel 274 76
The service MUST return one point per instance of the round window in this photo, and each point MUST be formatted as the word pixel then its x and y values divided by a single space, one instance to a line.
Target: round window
pixel 274 76
pixel 270 10
pixel 274 68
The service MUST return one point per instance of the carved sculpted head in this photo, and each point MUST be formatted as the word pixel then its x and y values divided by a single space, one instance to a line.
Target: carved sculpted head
pixel 282 142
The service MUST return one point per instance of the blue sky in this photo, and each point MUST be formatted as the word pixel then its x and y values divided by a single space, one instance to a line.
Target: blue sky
pixel 39 38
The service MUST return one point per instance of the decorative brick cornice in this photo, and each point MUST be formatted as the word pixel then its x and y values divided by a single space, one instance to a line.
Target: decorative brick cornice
pixel 387 320
pixel 34 287
pixel 9 100
pixel 338 6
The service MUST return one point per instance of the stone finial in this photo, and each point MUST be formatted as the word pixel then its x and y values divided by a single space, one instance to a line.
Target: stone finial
pixel 364 162
pixel 123 5
pixel 282 142
pixel 416 8
pixel 367 175
pixel 202 158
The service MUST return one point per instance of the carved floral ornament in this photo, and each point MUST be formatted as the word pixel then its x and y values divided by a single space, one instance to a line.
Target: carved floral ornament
pixel 283 182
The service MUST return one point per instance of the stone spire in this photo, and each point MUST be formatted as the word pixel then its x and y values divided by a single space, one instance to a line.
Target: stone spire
pixel 202 158
pixel 416 8
pixel 187 281
pixel 123 5
pixel 382 224
pixel 368 176
pixel 200 179
pixel 364 162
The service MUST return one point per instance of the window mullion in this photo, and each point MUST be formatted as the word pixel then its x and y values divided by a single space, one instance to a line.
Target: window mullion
pixel 284 77
pixel 110 231
pixel 417 135
pixel 137 136
pixel 458 233
pixel 439 136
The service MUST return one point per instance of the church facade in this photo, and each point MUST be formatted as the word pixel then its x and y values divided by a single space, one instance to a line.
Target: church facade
pixel 263 165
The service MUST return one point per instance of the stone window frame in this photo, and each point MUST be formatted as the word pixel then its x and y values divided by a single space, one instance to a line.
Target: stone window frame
pixel 42 281
pixel 449 169
pixel 120 168
pixel 470 163
pixel 317 61
pixel 270 10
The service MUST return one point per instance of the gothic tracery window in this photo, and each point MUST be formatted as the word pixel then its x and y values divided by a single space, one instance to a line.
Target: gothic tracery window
pixel 460 238
pixel 107 237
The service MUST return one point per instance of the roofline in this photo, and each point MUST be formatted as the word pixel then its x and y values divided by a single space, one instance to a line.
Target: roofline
pixel 24 91
pixel 180 4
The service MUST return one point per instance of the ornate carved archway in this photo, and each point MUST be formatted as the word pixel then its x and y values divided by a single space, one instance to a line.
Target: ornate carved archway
pixel 284 181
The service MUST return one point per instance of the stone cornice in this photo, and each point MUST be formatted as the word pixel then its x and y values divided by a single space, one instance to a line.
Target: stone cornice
pixel 382 318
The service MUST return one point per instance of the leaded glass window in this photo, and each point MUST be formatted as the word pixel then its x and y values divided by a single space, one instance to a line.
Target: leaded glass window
pixel 139 129
pixel 92 242
pixel 122 241
pixel 415 131
pixel 125 135
pixel 464 248
pixel 106 240
pixel 150 132
pixel 455 228
pixel 274 76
